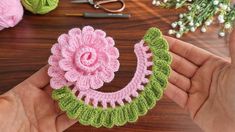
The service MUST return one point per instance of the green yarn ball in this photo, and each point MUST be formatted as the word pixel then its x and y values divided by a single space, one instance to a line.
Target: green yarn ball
pixel 40 6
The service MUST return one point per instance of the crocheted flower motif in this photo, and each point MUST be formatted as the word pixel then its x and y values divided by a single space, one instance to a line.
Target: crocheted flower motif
pixel 84 59
pixel 109 109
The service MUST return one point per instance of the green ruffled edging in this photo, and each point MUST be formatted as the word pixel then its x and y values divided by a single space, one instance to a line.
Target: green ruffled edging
pixel 118 116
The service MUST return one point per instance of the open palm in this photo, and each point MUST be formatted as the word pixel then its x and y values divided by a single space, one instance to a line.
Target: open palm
pixel 203 84
pixel 29 107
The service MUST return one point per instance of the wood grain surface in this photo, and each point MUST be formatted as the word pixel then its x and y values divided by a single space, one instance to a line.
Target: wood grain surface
pixel 26 48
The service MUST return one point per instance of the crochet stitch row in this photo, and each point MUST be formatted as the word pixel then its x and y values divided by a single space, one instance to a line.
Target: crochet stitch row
pixel 89 113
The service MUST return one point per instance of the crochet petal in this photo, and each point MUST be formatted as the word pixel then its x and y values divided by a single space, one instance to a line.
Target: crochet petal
pixel 67 54
pixel 110 41
pixel 75 32
pixel 106 75
pixel 103 58
pixel 100 33
pixel 88 38
pixel 113 51
pixel 72 75
pixel 114 64
pixel 57 83
pixel 100 43
pixel 87 29
pixel 63 40
pixel 54 60
pixel 55 49
pixel 66 65
pixel 96 82
pixel 83 83
pixel 55 71
pixel 74 43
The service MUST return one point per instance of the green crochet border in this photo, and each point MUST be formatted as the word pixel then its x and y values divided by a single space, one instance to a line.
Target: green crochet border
pixel 153 91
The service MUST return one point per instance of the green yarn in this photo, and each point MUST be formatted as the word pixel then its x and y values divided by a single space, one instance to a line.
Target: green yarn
pixel 74 110
pixel 40 6
pixel 160 43
pixel 96 122
pixel 132 112
pixel 142 106
pixel 152 34
pixel 60 94
pixel 156 88
pixel 160 54
pixel 161 78
pixel 150 98
pixel 162 66
pixel 120 115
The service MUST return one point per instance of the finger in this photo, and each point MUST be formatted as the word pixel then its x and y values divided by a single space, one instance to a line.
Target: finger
pixel 49 90
pixel 188 51
pixel 232 47
pixel 180 81
pixel 183 66
pixel 39 79
pixel 63 122
pixel 176 94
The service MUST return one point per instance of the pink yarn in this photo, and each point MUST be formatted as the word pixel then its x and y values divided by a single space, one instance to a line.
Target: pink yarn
pixel 11 13
pixel 131 90
pixel 84 59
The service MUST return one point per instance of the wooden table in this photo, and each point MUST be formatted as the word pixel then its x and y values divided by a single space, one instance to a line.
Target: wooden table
pixel 26 48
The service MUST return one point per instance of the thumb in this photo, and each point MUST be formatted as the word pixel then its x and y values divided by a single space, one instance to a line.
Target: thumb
pixel 232 47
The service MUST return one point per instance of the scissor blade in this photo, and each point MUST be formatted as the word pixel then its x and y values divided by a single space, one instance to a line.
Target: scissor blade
pixel 80 1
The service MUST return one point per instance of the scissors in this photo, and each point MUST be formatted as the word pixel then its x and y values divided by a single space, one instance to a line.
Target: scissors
pixel 99 4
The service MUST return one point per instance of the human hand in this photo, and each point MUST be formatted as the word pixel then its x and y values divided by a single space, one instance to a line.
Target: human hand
pixel 28 107
pixel 203 84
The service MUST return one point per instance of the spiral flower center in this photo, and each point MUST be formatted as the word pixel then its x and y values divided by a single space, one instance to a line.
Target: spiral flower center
pixel 86 59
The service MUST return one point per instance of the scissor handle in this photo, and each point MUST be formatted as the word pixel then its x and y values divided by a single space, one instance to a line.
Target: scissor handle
pixel 99 4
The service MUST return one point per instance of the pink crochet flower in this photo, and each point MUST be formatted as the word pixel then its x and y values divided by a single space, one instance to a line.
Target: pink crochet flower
pixel 83 59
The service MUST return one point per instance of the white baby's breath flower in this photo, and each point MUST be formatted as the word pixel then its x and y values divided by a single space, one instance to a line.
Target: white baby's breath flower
pixel 154 2
pixel 180 22
pixel 181 16
pixel 216 2
pixel 227 25
pixel 192 29
pixel 221 21
pixel 189 17
pixel 174 25
pixel 178 35
pixel 171 32
pixel 197 24
pixel 189 8
pixel 191 23
pixel 203 29
pixel 158 3
pixel 207 23
pixel 221 34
